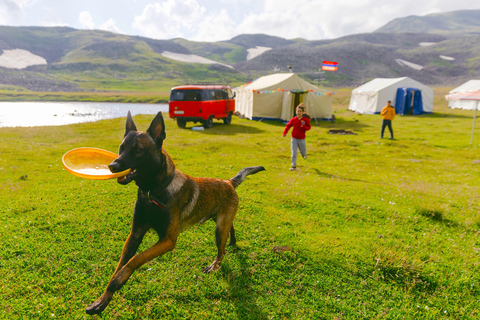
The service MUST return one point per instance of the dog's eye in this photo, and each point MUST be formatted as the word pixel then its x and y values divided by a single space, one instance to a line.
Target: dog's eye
pixel 138 150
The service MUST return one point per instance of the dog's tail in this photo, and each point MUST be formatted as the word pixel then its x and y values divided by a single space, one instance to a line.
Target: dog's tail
pixel 243 173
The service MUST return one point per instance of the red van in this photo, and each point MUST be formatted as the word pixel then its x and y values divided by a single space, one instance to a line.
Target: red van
pixel 201 103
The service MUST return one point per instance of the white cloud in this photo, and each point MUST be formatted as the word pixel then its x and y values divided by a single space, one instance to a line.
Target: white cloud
pixel 169 19
pixel 10 11
pixel 209 20
pixel 85 19
pixel 24 3
pixel 53 24
pixel 110 25
pixel 320 19
pixel 215 27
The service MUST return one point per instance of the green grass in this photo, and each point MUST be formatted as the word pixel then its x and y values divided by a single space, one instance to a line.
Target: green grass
pixel 379 228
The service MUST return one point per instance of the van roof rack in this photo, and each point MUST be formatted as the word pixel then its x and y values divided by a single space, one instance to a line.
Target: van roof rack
pixel 204 84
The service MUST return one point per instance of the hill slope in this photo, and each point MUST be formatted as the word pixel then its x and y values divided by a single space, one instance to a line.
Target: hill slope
pixel 366 56
pixel 449 23
pixel 76 57
pixel 444 49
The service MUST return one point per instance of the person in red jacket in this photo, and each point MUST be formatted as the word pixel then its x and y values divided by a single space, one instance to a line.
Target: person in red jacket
pixel 300 124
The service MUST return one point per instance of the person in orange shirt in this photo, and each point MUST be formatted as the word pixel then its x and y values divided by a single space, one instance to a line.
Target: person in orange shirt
pixel 388 114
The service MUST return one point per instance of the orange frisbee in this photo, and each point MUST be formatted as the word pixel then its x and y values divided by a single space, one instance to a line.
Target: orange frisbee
pixel 91 163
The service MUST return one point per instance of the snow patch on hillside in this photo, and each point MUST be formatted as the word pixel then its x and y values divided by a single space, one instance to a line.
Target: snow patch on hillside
pixel 447 58
pixel 409 64
pixel 20 59
pixel 255 52
pixel 191 58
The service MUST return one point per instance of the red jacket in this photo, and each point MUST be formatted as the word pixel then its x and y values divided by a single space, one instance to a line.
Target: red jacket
pixel 299 127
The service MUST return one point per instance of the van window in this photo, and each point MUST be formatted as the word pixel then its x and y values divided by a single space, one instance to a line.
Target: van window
pixel 217 94
pixel 221 94
pixel 186 95
pixel 211 95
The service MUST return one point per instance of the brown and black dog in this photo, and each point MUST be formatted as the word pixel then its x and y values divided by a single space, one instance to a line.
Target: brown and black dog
pixel 168 201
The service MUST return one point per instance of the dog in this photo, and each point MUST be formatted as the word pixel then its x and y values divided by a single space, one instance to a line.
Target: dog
pixel 168 201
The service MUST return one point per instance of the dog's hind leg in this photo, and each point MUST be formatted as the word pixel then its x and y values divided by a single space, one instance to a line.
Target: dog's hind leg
pixel 223 228
pixel 233 240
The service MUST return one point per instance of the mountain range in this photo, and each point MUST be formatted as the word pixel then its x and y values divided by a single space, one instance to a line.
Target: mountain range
pixel 437 49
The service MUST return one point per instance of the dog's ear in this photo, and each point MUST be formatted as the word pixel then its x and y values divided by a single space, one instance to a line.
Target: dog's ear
pixel 130 126
pixel 157 129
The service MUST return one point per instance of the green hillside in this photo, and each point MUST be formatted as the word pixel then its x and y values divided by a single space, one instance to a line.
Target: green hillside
pixel 98 60
pixel 218 51
pixel 437 49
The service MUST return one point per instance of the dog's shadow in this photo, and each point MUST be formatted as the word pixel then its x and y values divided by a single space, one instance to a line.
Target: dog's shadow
pixel 240 286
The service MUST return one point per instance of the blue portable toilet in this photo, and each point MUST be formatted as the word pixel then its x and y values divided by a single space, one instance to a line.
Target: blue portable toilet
pixel 409 101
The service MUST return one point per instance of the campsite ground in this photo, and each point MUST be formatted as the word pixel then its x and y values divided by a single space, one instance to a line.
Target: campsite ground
pixel 378 228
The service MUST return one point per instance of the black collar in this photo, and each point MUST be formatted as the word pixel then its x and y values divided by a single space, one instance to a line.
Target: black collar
pixel 150 195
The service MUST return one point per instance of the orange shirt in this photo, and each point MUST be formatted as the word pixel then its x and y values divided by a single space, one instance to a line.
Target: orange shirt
pixel 388 113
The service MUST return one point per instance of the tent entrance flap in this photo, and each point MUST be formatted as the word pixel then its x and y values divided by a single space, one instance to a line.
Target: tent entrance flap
pixel 298 97
pixel 408 101
pixel 290 102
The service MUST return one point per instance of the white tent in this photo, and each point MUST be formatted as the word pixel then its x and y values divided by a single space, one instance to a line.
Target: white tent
pixel 469 86
pixel 276 96
pixel 372 96
pixel 470 96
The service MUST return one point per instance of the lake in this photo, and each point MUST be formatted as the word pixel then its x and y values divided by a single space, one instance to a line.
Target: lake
pixel 31 114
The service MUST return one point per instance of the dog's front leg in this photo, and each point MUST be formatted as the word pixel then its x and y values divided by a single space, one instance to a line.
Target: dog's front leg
pixel 122 275
pixel 131 245
pixel 129 249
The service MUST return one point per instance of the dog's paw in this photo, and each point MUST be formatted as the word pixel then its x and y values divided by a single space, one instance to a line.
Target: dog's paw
pixel 94 308
pixel 98 306
pixel 213 267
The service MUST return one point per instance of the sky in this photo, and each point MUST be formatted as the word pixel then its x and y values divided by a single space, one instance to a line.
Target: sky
pixel 210 21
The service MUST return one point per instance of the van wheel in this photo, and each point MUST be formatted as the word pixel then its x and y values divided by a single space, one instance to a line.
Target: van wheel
pixel 228 119
pixel 181 123
pixel 208 123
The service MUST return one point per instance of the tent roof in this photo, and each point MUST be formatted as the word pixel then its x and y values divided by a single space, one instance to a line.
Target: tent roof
pixel 378 84
pixel 381 83
pixel 472 96
pixel 286 81
pixel 470 85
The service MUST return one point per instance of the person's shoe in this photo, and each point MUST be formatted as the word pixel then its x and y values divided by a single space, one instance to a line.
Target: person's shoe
pixel 293 168
pixel 305 157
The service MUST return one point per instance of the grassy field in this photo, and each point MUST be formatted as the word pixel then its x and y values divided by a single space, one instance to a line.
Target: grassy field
pixel 379 229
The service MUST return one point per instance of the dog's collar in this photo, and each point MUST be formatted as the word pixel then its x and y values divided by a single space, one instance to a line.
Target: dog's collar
pixel 152 198
pixel 155 200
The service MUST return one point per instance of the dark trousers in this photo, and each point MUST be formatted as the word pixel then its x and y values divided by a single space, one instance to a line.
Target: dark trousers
pixel 387 123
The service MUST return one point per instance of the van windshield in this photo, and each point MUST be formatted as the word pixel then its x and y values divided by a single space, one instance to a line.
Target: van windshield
pixel 186 95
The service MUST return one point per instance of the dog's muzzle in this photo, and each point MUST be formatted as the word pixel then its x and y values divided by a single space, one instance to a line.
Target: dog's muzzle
pixel 115 167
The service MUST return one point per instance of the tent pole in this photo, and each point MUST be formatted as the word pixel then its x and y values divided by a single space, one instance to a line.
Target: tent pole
pixel 474 118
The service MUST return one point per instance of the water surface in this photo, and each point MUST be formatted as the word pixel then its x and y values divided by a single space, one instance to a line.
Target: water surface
pixel 31 114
